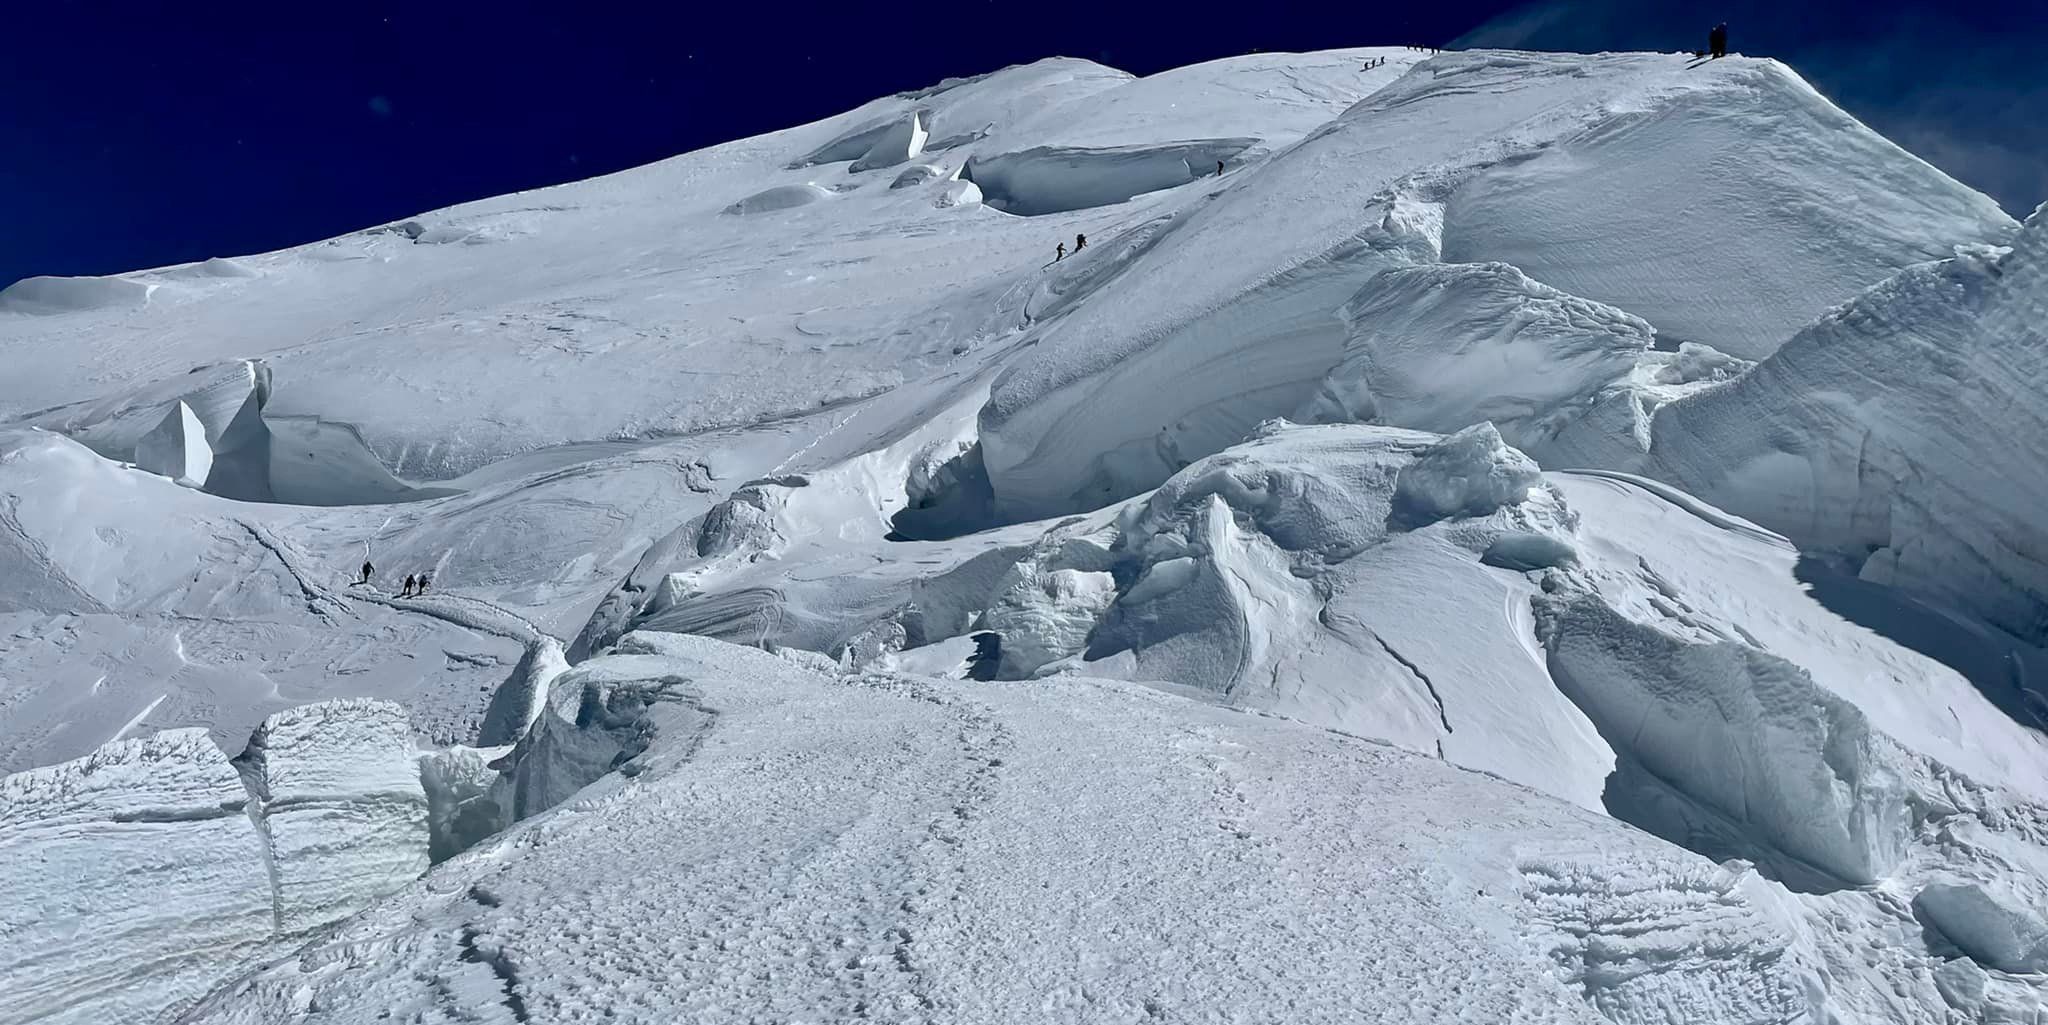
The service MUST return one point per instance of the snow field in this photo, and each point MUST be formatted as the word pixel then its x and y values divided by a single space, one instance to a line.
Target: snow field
pixel 1042 672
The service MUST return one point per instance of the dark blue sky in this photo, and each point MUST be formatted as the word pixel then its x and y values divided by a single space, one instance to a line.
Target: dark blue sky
pixel 138 134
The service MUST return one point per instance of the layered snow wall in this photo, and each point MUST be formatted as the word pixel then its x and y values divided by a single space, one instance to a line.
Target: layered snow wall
pixel 1903 432
pixel 131 880
pixel 1055 179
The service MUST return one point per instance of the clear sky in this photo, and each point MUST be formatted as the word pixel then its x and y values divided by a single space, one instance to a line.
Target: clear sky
pixel 140 134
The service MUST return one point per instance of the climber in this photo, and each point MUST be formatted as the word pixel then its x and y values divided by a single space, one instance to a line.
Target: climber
pixel 367 570
pixel 1080 242
pixel 407 593
pixel 1059 253
pixel 1219 168
pixel 1717 40
pixel 422 588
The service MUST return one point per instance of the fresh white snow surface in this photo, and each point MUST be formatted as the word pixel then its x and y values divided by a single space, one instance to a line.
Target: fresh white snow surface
pixel 1484 537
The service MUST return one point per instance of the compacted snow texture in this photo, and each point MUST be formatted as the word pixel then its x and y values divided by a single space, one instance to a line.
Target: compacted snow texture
pixel 1471 537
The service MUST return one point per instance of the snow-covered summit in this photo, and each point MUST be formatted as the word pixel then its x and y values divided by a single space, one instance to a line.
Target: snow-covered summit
pixel 1481 536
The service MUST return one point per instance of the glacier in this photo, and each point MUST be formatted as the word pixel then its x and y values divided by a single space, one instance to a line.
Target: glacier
pixel 1473 536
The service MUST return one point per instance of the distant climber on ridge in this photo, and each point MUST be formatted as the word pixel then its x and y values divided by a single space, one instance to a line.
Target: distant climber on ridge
pixel 1059 252
pixel 1080 242
pixel 1717 40
pixel 367 570
pixel 422 588
pixel 407 593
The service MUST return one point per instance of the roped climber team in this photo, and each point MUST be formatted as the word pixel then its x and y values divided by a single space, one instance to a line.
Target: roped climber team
pixel 415 583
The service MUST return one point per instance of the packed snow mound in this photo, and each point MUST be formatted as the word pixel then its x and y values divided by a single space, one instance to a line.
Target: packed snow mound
pixel 1613 427
pixel 1051 180
pixel 1240 320
pixel 1988 901
pixel 177 448
pixel 960 831
pixel 1901 433
pixel 917 175
pixel 1440 347
pixel 781 197
pixel 212 268
pixel 1470 473
pixel 53 295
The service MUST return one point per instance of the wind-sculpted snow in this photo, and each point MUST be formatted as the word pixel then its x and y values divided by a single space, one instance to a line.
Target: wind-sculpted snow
pixel 1241 853
pixel 1241 320
pixel 1902 432
pixel 1739 730
pixel 777 584
pixel 1440 347
pixel 1766 205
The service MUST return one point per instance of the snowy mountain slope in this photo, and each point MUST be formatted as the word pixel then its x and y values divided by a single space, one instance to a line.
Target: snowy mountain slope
pixel 970 822
pixel 819 392
pixel 149 605
pixel 1241 317
pixel 638 286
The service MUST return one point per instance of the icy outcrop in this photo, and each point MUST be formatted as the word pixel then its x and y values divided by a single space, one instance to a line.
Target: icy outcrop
pixel 1470 473
pixel 885 143
pixel 1047 616
pixel 524 695
pixel 956 193
pixel 139 876
pixel 900 143
pixel 1990 897
pixel 225 403
pixel 1524 551
pixel 341 807
pixel 597 721
pixel 1903 432
pixel 177 448
pixel 917 175
pixel 1440 347
pixel 1737 729
pixel 1055 179
pixel 130 881
pixel 465 802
